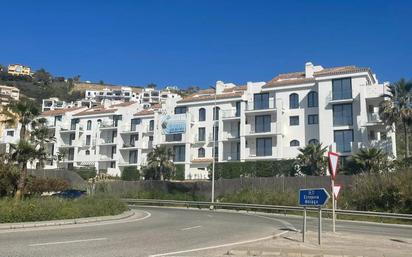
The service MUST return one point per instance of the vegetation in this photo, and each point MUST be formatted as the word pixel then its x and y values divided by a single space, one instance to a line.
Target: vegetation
pixel 52 208
pixel 38 185
pixel 312 160
pixel 228 170
pixel 398 109
pixel 130 174
pixel 371 160
pixel 85 172
pixel 160 195
pixel 160 165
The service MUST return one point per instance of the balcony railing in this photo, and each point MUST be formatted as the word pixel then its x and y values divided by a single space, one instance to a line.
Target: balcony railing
pixel 232 156
pixel 231 113
pixel 261 105
pixel 374 117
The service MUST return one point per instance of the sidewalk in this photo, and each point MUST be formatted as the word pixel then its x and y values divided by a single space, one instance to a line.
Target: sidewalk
pixel 124 215
pixel 333 245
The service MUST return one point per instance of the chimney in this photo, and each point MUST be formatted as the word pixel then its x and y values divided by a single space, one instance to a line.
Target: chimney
pixel 309 70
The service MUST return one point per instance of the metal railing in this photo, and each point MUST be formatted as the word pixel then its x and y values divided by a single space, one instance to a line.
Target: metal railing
pixel 245 206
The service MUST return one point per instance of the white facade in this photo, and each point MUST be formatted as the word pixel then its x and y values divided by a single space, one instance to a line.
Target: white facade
pixel 337 107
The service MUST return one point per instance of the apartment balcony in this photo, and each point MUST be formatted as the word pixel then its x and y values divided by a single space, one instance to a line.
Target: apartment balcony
pixel 231 135
pixel 128 147
pixel 199 140
pixel 231 114
pixel 70 128
pixel 253 131
pixel 127 164
pixel 144 144
pixel 105 158
pixel 106 142
pixel 231 156
pixel 174 139
pixel 85 144
pixel 108 126
pixel 375 91
pixel 69 145
pixel 148 129
pixel 346 149
pixel 127 129
pixel 331 100
pixel 374 119
pixel 260 107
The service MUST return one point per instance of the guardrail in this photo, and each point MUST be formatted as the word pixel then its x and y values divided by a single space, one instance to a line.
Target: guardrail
pixel 245 206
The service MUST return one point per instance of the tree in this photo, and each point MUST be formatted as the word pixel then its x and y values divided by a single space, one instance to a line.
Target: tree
pixel 42 76
pixel 312 159
pixel 159 159
pixel 21 112
pixel 40 136
pixel 371 160
pixel 9 176
pixel 398 108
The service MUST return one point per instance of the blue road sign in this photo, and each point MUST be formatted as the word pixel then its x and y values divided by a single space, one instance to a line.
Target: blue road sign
pixel 313 197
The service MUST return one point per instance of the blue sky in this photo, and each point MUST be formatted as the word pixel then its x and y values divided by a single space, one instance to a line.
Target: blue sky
pixel 187 43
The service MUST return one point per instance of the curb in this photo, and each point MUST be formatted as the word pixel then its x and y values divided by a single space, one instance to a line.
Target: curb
pixel 293 252
pixel 50 223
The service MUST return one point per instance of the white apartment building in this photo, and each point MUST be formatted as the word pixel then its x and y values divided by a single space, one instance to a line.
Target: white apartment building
pixel 337 107
pixel 8 94
pixel 55 103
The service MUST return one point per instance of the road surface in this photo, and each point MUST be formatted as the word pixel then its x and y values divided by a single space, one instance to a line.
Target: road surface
pixel 154 231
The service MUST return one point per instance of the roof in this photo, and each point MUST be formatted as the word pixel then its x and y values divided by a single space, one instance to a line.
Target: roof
pixel 94 111
pixel 295 78
pixel 60 111
pixel 202 160
pixel 234 89
pixel 144 112
pixel 124 104
pixel 196 97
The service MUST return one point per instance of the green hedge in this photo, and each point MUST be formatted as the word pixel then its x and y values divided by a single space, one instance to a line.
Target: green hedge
pixel 53 208
pixel 130 174
pixel 254 169
pixel 86 173
pixel 180 172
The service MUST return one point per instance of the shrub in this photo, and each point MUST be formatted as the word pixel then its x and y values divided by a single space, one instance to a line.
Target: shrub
pixel 9 176
pixel 37 185
pixel 254 169
pixel 86 172
pixel 130 174
pixel 180 172
pixel 261 197
pixel 38 209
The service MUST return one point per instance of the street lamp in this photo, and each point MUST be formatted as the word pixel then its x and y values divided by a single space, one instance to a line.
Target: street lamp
pixel 213 150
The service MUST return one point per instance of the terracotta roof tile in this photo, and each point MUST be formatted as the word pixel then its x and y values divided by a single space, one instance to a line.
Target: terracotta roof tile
pixel 202 160
pixel 125 104
pixel 144 112
pixel 197 97
pixel 60 111
pixel 94 111
pixel 277 83
pixel 234 89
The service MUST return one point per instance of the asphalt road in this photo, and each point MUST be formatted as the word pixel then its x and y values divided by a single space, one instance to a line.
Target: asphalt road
pixel 157 231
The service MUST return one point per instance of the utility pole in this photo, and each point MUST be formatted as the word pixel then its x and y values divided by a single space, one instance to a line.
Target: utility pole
pixel 213 150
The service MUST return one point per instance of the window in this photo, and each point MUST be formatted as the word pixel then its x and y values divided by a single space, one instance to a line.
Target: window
pixel 372 135
pixel 133 139
pixel 10 133
pixel 261 101
pixel 313 141
pixel 313 99
pixel 216 153
pixel 202 134
pixel 150 138
pixel 216 111
pixel 89 125
pixel 343 140
pixel 237 113
pixel 134 123
pixel 262 123
pixel 151 125
pixel 294 120
pixel 293 101
pixel 384 136
pixel 313 119
pixel 116 119
pixel 341 89
pixel 133 156
pixel 201 152
pixel 179 151
pixel 88 139
pixel 216 133
pixel 173 137
pixel 342 114
pixel 202 114
pixel 113 152
pixel 294 143
pixel 263 146
pixel 180 110
pixel 87 152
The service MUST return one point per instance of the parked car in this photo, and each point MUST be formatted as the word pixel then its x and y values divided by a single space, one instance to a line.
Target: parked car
pixel 70 194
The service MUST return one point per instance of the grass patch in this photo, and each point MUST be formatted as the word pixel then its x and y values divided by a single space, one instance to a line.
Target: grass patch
pixel 159 195
pixel 53 208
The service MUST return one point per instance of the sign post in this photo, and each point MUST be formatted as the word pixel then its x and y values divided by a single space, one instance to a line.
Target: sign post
pixel 314 197
pixel 333 159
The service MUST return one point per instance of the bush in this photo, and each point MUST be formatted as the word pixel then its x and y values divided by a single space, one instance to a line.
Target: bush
pixel 9 176
pixel 254 169
pixel 130 174
pixel 180 172
pixel 38 209
pixel 37 185
pixel 262 197
pixel 86 172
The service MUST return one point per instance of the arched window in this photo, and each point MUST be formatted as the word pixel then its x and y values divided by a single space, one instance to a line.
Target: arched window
pixel 99 122
pixel 89 125
pixel 202 114
pixel 314 141
pixel 216 111
pixel 201 152
pixel 294 143
pixel 87 152
pixel 313 99
pixel 293 101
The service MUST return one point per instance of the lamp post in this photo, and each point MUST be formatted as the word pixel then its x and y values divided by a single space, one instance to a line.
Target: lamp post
pixel 213 150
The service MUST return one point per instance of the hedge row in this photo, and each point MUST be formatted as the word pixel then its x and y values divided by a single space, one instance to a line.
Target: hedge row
pixel 229 170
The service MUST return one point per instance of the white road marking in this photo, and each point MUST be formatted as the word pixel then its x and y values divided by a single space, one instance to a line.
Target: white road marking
pixel 189 228
pixel 220 246
pixel 91 224
pixel 70 242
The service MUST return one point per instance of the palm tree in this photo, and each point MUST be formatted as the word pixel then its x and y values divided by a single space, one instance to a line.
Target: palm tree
pixel 371 160
pixel 397 108
pixel 21 112
pixel 312 159
pixel 160 158
pixel 23 153
pixel 40 136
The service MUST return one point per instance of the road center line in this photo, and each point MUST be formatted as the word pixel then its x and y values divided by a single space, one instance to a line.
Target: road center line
pixel 220 246
pixel 189 228
pixel 70 242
